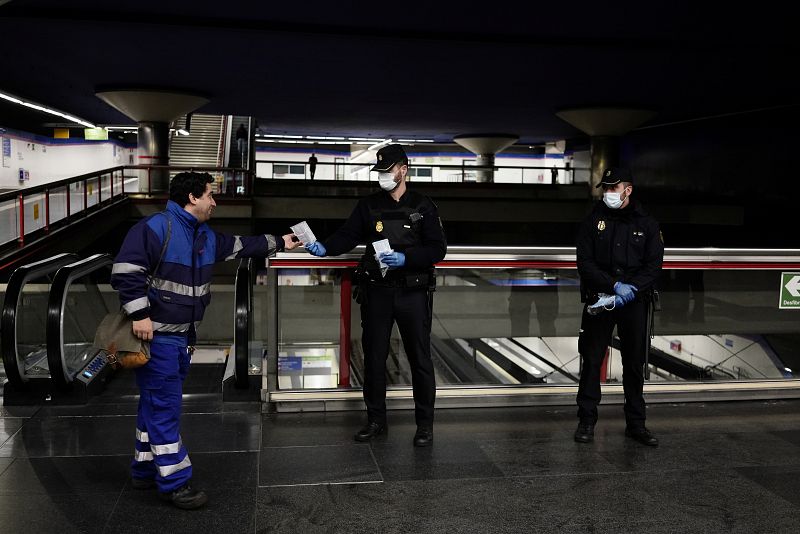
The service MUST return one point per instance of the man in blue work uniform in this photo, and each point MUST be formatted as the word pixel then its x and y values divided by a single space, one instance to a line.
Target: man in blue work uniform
pixel 167 315
pixel 403 293
pixel 620 251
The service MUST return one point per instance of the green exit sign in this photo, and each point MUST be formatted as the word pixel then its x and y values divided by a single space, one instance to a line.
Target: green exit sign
pixel 790 291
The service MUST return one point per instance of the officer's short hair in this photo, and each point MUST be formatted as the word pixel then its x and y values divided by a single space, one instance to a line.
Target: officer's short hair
pixel 186 183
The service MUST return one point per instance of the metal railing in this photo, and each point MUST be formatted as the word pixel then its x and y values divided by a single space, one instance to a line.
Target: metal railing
pixel 36 209
pixel 487 272
pixel 421 172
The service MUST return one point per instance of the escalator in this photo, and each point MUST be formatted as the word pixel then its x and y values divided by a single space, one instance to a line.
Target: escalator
pixel 23 325
pixel 48 329
pixel 51 312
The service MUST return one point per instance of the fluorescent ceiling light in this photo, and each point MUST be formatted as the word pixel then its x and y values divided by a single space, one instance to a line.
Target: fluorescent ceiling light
pixel 416 141
pixel 325 138
pixel 282 136
pixel 182 132
pixel 378 145
pixel 122 128
pixel 370 139
pixel 37 107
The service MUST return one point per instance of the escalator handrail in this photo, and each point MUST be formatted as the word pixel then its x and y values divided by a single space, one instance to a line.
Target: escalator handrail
pixel 56 308
pixel 14 366
pixel 243 324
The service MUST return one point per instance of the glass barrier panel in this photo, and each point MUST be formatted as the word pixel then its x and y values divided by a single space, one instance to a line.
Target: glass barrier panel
pixel 91 191
pixel 89 298
pixel 31 322
pixel 308 328
pixel 9 220
pixel 58 203
pixel 105 187
pixel 521 326
pixel 34 213
pixel 75 197
pixel 131 183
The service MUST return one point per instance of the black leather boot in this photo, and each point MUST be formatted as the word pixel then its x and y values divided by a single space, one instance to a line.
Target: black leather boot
pixel 423 437
pixel 370 431
pixel 642 435
pixel 584 433
pixel 185 497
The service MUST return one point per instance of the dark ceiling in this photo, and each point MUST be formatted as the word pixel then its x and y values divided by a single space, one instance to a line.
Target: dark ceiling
pixel 383 69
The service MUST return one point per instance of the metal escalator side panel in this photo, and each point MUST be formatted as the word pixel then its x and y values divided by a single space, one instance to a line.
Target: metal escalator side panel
pixel 56 308
pixel 243 322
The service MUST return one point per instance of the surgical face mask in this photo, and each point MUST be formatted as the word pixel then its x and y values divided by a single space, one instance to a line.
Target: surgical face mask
pixel 386 181
pixel 613 200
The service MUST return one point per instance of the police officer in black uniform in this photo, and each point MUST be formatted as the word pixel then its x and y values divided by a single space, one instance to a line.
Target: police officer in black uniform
pixel 620 251
pixel 402 294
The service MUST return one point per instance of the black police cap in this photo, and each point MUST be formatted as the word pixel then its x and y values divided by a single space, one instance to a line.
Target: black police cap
pixel 388 156
pixel 615 175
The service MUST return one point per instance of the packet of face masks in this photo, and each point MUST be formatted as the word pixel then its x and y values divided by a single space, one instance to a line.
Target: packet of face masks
pixel 604 302
pixel 382 247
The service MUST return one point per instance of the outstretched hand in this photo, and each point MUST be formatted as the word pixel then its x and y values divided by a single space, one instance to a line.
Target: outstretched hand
pixel 316 248
pixel 289 242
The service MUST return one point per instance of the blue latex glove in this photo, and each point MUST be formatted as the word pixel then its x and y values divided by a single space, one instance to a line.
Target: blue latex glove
pixel 394 259
pixel 316 248
pixel 618 302
pixel 626 291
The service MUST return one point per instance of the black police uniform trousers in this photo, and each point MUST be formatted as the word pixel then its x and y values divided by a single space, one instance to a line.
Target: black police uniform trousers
pixel 411 308
pixel 595 336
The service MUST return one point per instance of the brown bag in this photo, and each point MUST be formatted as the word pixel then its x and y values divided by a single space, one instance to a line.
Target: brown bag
pixel 115 333
pixel 115 336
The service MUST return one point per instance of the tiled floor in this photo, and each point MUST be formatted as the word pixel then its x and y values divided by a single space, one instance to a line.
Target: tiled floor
pixel 721 467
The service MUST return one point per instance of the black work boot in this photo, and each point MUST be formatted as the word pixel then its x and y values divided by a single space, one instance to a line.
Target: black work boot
pixel 370 431
pixel 584 433
pixel 642 435
pixel 185 497
pixel 423 437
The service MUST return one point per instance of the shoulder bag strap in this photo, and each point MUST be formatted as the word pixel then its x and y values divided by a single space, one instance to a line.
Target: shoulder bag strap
pixel 163 250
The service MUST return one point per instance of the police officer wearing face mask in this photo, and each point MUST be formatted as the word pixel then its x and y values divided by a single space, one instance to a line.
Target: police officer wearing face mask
pixel 620 251
pixel 402 294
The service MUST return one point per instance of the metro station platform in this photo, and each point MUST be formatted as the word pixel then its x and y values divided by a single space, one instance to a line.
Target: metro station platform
pixel 720 467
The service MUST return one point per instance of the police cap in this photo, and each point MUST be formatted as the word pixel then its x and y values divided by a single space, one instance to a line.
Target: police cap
pixel 615 175
pixel 388 156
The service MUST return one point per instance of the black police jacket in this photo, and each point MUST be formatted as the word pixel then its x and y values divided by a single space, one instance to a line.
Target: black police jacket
pixel 411 225
pixel 622 245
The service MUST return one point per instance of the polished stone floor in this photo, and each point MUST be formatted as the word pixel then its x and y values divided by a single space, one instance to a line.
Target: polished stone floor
pixel 721 467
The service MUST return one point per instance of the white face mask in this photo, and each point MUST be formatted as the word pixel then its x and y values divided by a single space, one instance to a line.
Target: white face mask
pixel 614 200
pixel 386 181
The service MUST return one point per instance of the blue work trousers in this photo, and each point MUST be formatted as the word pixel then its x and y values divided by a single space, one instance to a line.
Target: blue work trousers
pixel 160 454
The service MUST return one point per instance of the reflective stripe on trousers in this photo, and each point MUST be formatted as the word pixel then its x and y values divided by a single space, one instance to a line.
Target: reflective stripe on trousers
pixel 159 451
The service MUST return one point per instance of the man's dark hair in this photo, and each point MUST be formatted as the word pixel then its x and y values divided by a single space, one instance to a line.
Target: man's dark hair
pixel 186 183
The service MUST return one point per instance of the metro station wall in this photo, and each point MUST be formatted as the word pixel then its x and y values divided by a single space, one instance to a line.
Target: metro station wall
pixel 736 156
pixel 47 160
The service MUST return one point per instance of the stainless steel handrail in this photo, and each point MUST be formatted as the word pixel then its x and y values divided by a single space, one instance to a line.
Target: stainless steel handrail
pixel 673 257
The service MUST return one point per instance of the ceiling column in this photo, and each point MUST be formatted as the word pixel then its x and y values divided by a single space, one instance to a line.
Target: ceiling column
pixel 154 111
pixel 605 126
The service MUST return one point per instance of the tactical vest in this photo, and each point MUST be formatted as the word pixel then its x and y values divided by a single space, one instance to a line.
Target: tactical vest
pixel 401 225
